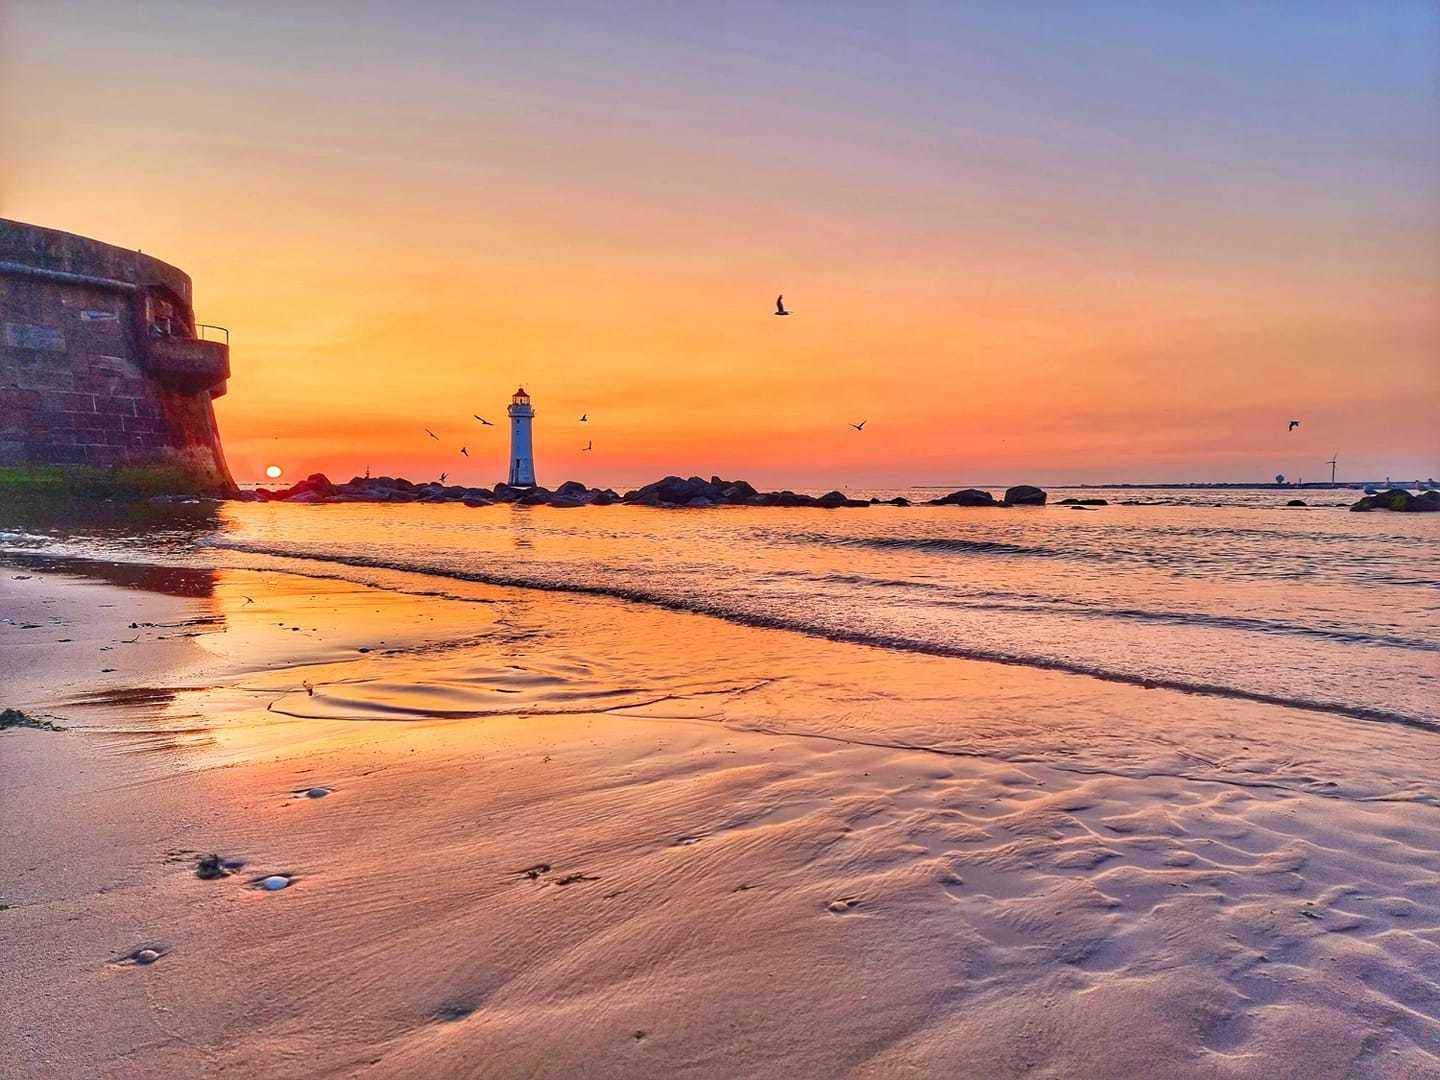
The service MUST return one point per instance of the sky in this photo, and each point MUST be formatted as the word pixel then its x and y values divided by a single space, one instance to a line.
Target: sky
pixel 1036 242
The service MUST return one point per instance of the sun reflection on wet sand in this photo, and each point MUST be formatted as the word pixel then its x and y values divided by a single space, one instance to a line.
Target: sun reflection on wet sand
pixel 547 813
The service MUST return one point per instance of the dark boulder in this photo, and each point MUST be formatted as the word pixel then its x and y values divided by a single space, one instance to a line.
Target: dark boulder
pixel 790 498
pixel 737 491
pixel 676 490
pixel 571 488
pixel 1401 501
pixel 1296 502
pixel 318 483
pixel 1024 495
pixel 967 497
pixel 1083 502
pixel 313 488
pixel 832 500
pixel 391 482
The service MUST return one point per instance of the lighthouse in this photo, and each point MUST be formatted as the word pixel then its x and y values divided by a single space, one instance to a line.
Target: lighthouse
pixel 522 455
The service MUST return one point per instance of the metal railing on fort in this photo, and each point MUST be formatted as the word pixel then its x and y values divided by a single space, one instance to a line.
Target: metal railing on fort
pixel 201 328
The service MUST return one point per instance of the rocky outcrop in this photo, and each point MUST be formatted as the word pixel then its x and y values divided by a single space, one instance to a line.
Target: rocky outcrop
pixel 967 497
pixel 1024 495
pixel 1083 502
pixel 672 491
pixel 693 492
pixel 1400 500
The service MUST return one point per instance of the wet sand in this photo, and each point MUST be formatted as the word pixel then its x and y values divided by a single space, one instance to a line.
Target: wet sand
pixel 568 836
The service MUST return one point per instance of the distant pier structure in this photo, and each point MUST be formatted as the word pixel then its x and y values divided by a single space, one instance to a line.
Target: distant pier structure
pixel 102 363
pixel 522 451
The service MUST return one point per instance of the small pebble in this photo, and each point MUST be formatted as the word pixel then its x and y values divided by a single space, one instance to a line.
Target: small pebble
pixel 146 956
pixel 317 792
pixel 275 882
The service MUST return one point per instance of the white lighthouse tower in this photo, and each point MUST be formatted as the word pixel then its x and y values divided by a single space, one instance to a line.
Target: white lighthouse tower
pixel 522 454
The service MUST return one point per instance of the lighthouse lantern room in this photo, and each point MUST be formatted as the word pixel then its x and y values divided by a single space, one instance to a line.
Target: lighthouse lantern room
pixel 522 453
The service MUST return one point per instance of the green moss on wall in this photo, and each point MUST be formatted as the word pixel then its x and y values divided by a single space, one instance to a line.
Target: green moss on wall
pixel 19 482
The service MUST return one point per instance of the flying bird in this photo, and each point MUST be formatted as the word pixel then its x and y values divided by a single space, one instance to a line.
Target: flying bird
pixel 464 452
pixel 442 477
pixel 780 305
pixel 860 426
pixel 588 446
pixel 584 417
pixel 1293 425
pixel 431 433
pixel 482 420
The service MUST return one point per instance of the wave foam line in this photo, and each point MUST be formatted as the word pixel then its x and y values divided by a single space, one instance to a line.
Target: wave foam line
pixel 881 641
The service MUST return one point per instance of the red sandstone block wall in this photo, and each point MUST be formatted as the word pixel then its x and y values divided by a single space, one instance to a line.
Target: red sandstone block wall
pixel 72 385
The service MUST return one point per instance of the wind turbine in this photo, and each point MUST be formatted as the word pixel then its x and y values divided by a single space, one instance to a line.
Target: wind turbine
pixel 1331 463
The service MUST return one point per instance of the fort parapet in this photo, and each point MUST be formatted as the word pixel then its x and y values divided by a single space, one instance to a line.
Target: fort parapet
pixel 103 369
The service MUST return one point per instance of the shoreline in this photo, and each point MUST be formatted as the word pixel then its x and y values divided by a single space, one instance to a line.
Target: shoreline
pixel 977 874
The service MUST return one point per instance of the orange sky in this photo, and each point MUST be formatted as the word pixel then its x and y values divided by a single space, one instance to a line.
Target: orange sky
pixel 1019 251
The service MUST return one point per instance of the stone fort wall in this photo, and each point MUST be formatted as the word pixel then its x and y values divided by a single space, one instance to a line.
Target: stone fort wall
pixel 101 361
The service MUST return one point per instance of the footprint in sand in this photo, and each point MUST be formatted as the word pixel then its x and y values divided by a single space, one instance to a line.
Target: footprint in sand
pixel 575 879
pixel 450 1013
pixel 212 867
pixel 843 904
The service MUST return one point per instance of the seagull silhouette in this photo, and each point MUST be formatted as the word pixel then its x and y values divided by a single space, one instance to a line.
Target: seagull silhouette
pixel 431 433
pixel 482 420
pixel 588 446
pixel 780 305
pixel 860 426
pixel 1293 425
pixel 584 418
pixel 464 452
pixel 442 477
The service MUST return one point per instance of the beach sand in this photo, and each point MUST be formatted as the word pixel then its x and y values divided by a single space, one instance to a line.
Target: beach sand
pixel 567 836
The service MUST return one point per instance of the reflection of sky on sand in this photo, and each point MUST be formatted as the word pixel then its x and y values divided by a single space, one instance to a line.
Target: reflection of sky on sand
pixel 294 661
pixel 727 826
pixel 1309 607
